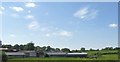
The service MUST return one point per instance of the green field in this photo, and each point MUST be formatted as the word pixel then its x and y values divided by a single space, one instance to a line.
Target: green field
pixel 113 58
pixel 102 58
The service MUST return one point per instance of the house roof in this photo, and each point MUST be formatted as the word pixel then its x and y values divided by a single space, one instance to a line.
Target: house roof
pixel 15 53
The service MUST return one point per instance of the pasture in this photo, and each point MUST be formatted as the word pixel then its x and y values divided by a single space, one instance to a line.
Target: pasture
pixel 104 58
pixel 111 56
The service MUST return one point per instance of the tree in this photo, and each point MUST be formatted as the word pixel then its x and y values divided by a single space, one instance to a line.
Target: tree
pixel 53 49
pixel 44 48
pixel 21 47
pixel 57 50
pixel 108 48
pixel 83 49
pixel 29 46
pixel 65 50
pixel 48 48
pixel 117 48
pixel 17 47
pixel 4 57
pixel 91 49
pixel 76 51
pixel 38 48
pixel 10 47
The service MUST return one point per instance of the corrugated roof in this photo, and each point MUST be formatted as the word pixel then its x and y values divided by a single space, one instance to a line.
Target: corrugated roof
pixel 15 53
pixel 28 51
pixel 67 53
pixel 76 53
pixel 56 53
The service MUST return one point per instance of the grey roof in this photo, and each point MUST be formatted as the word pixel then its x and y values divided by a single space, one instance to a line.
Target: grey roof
pixel 56 53
pixel 28 51
pixel 15 53
pixel 77 53
pixel 67 53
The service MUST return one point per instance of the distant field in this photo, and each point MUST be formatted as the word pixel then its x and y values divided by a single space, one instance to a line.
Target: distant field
pixel 103 58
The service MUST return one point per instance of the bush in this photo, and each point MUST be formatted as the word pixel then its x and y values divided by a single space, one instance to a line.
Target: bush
pixel 46 55
pixel 4 57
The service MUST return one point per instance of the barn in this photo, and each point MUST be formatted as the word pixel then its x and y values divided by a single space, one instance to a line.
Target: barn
pixel 82 55
pixel 61 54
pixel 15 54
pixel 47 54
pixel 30 53
pixel 21 54
pixel 56 54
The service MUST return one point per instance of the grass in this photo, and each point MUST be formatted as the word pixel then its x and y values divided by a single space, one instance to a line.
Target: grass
pixel 103 58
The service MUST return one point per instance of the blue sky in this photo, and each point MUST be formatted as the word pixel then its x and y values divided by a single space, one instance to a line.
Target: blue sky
pixel 63 25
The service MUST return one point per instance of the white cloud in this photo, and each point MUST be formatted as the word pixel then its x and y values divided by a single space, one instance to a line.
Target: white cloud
pixel 65 33
pixel 34 25
pixel 29 11
pixel 48 35
pixel 113 25
pixel 30 17
pixel 30 4
pixel 45 29
pixel 60 33
pixel 18 9
pixel 86 13
pixel 2 8
pixel 12 35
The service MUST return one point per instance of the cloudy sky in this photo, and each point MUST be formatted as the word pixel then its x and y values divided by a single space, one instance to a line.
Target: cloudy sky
pixel 70 25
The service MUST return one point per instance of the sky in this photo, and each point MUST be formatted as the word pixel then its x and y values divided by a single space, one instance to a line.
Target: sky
pixel 60 24
pixel 59 0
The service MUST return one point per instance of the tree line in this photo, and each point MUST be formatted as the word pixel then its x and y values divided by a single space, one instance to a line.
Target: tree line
pixel 31 46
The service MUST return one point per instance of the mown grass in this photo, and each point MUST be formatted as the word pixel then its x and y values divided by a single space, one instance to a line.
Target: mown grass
pixel 103 58
pixel 62 60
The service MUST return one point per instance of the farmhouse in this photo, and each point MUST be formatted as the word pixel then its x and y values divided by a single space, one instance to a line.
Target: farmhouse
pixel 61 54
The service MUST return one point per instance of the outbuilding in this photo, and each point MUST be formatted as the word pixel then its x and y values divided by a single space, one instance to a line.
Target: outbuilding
pixel 61 54
pixel 56 54
pixel 82 55
pixel 21 54
pixel 15 54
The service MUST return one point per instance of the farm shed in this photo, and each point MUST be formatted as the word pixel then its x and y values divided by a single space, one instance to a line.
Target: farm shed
pixel 82 55
pixel 30 53
pixel 22 54
pixel 56 54
pixel 15 54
